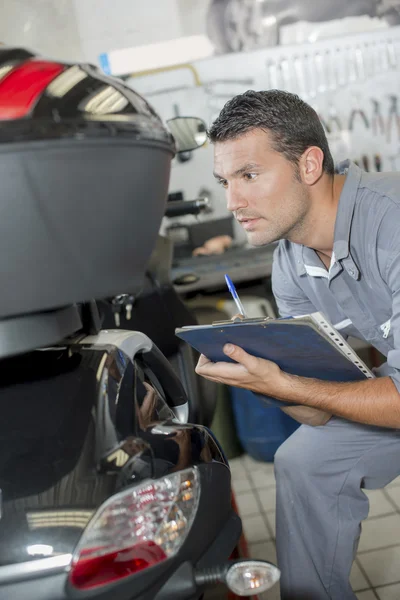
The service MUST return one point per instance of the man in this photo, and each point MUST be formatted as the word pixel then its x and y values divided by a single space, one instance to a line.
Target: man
pixel 339 253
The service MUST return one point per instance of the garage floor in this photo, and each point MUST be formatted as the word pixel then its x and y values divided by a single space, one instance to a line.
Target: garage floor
pixel 376 572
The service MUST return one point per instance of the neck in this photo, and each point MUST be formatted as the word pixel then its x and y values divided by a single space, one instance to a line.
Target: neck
pixel 318 228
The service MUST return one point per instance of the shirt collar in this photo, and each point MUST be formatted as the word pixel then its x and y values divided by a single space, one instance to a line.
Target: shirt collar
pixel 345 211
pixel 344 217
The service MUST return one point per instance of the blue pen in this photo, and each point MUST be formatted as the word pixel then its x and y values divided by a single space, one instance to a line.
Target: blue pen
pixel 235 296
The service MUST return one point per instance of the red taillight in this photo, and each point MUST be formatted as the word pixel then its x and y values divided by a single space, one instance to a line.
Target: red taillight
pixel 137 528
pixel 21 87
pixel 100 570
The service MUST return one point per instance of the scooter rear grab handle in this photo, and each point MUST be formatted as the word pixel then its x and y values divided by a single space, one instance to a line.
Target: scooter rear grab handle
pixel 137 346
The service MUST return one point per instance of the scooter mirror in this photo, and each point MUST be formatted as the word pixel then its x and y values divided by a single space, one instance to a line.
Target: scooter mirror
pixel 189 133
pixel 251 577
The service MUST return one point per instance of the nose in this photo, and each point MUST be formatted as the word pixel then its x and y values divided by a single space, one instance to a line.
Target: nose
pixel 234 198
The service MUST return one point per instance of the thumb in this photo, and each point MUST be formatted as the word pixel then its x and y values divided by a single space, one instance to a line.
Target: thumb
pixel 241 356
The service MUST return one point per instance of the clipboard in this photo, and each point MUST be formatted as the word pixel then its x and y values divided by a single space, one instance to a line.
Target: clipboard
pixel 307 346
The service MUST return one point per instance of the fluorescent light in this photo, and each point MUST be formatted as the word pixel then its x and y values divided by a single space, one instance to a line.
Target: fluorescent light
pixel 269 21
pixel 108 100
pixel 4 70
pixel 157 56
pixel 39 549
pixel 62 84
pixel 58 518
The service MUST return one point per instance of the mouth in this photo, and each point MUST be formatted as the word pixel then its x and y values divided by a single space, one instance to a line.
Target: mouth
pixel 248 224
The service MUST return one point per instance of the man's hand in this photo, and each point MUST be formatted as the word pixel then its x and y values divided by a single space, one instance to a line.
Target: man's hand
pixel 215 245
pixel 252 373
pixel 147 413
pixel 257 375
pixel 371 401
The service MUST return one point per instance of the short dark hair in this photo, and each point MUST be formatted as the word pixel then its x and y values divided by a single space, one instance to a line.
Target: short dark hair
pixel 292 123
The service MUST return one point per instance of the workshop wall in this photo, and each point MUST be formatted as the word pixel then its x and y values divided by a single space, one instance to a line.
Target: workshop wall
pixel 48 27
pixel 351 81
pixel 106 25
pixel 83 29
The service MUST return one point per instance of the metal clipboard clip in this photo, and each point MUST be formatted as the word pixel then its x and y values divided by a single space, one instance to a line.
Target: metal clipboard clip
pixel 238 320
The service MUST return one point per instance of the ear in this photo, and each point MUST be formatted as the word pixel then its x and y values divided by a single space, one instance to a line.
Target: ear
pixel 311 165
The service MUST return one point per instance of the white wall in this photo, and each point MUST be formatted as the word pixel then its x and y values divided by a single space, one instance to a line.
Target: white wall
pixel 46 26
pixel 193 14
pixel 83 29
pixel 106 25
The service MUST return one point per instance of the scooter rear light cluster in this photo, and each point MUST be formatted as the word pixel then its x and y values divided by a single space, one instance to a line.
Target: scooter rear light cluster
pixel 136 529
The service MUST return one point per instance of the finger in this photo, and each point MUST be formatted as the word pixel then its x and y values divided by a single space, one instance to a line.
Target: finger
pixel 208 373
pixel 150 393
pixel 199 251
pixel 222 371
pixel 206 367
pixel 237 316
pixel 241 356
pixel 203 360
pixel 149 400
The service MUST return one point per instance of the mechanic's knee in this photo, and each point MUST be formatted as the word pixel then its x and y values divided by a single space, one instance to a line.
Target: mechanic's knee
pixel 284 458
pixel 297 456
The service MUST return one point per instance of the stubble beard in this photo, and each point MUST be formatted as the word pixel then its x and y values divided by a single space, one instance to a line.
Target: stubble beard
pixel 282 231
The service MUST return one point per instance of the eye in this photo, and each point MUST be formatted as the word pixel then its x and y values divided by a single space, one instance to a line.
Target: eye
pixel 250 176
pixel 222 182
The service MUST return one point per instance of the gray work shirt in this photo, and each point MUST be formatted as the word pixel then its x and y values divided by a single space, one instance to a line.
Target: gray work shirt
pixel 360 294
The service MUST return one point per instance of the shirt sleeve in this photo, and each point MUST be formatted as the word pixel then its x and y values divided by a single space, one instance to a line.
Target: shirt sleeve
pixel 392 367
pixel 289 297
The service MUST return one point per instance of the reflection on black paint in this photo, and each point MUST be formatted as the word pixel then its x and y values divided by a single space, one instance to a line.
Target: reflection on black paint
pixel 78 426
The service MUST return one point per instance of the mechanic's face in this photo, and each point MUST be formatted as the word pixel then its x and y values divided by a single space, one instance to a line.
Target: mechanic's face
pixel 262 189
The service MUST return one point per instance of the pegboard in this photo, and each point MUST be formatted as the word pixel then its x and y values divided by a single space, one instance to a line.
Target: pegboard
pixel 352 82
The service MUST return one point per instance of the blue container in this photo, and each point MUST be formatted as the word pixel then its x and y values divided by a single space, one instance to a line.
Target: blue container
pixel 260 428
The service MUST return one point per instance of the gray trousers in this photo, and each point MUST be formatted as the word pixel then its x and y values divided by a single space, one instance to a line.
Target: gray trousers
pixel 320 473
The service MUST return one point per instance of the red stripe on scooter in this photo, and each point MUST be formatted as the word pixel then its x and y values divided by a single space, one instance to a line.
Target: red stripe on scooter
pixel 22 86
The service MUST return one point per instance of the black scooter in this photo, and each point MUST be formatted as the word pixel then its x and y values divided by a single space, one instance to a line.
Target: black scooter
pixel 106 491
pixel 157 310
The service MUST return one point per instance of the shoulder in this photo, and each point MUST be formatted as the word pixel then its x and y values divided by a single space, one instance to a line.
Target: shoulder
pixel 378 202
pixel 381 185
pixel 289 294
pixel 286 256
pixel 378 216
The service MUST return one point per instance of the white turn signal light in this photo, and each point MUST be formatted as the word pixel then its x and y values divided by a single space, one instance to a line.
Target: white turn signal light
pixel 251 577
